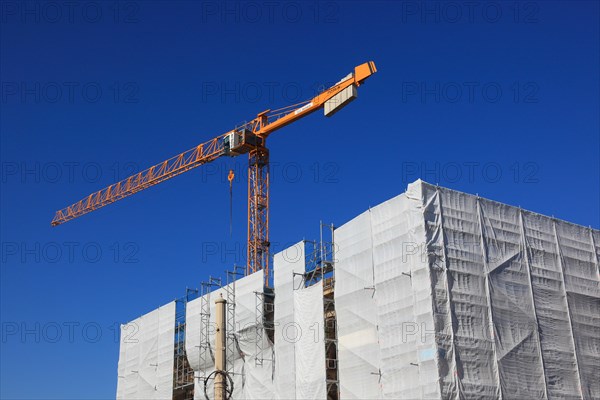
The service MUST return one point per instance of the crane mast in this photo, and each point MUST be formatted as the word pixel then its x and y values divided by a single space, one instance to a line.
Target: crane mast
pixel 249 139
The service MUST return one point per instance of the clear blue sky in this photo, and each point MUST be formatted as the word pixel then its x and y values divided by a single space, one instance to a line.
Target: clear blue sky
pixel 491 99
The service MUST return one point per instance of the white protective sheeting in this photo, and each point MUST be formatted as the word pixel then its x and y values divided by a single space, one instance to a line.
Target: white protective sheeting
pixel 402 294
pixel 356 310
pixel 285 264
pixel 502 300
pixel 146 356
pixel 579 257
pixel 309 345
pixel 534 350
pixel 507 302
pixel 251 380
pixel 193 325
pixel 257 376
pixel 464 335
pixel 438 295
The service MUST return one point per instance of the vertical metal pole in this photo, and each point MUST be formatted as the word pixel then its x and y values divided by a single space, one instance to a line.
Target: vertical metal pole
pixel 220 347
pixel 333 247
pixel 321 256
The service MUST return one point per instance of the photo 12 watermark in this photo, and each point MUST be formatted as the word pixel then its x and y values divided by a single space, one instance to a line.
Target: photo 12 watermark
pixel 289 172
pixel 69 172
pixel 69 92
pixel 470 92
pixel 469 12
pixel 520 172
pixel 69 12
pixel 269 92
pixel 235 252
pixel 23 253
pixel 269 12
pixel 54 332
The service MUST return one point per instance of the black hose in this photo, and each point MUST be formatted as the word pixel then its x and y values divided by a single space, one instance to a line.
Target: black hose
pixel 228 384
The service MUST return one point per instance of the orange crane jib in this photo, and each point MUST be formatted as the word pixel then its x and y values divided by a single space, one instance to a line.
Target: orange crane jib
pixel 247 139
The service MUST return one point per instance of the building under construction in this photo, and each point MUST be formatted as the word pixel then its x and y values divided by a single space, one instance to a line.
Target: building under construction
pixel 432 294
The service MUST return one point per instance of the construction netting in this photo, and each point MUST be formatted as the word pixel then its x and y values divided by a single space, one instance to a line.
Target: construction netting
pixel 441 294
pixel 291 368
pixel 288 266
pixel 309 343
pixel 250 353
pixel 438 295
pixel 402 296
pixel 299 323
pixel 356 311
pixel 146 356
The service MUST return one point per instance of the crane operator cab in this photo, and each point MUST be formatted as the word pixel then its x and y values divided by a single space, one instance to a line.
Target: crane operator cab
pixel 240 141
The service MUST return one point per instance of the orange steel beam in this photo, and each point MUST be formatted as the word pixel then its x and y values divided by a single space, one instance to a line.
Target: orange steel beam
pixel 258 212
pixel 262 126
pixel 275 121
pixel 201 154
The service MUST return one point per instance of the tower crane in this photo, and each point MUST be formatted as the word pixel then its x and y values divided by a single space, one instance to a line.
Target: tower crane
pixel 250 138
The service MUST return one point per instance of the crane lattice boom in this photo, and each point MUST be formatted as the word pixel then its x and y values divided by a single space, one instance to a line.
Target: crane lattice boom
pixel 249 138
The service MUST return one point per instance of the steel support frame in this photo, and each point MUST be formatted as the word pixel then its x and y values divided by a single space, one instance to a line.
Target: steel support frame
pixel 331 347
pixel 258 211
pixel 183 374
pixel 230 321
pixel 259 315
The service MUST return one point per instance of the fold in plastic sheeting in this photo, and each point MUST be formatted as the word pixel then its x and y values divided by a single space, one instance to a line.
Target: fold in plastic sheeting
pixel 285 264
pixel 552 309
pixel 147 355
pixel 309 344
pixel 251 381
pixel 441 294
pixel 507 285
pixel 579 257
pixel 255 349
pixel 464 334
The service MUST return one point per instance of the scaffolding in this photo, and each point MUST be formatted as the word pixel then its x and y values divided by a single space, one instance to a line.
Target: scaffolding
pixel 205 354
pixel 259 315
pixel 331 343
pixel 378 285
pixel 183 374
pixel 319 263
pixel 230 321
pixel 263 325
pixel 320 266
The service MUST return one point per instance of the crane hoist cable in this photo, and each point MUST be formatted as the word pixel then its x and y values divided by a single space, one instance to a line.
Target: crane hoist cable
pixel 230 179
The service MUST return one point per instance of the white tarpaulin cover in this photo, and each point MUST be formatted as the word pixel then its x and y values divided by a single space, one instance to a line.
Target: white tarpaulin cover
pixel 309 346
pixel 147 355
pixel 356 310
pixel 438 295
pixel 285 264
pixel 251 381
pixel 402 295
pixel 441 294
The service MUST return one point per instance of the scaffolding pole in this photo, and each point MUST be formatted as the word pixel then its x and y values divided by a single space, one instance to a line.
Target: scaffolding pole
pixel 183 374
pixel 230 322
